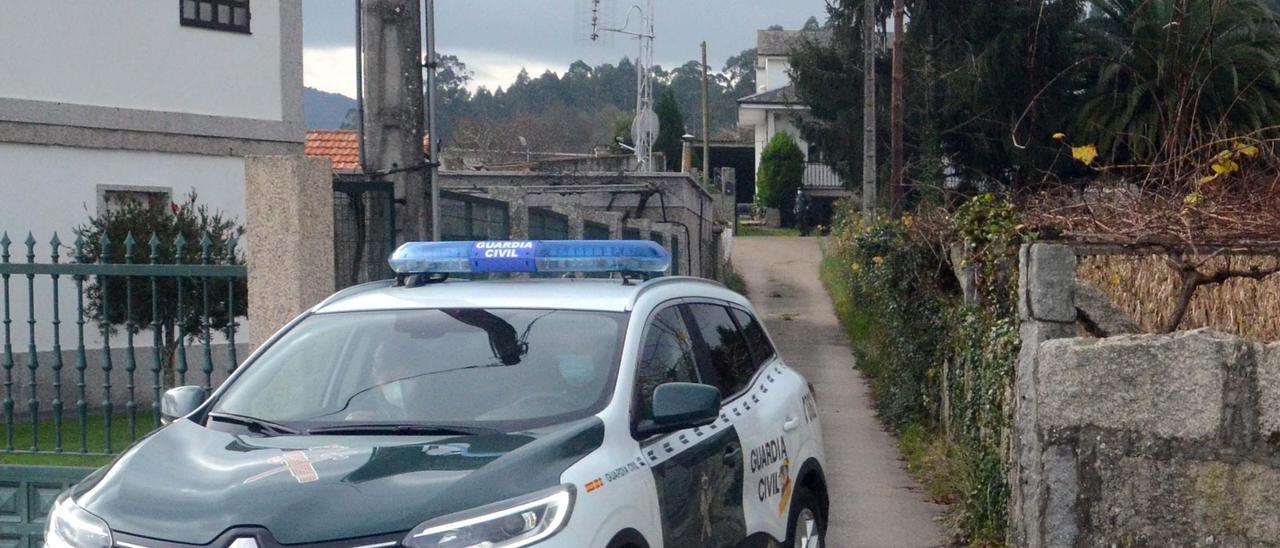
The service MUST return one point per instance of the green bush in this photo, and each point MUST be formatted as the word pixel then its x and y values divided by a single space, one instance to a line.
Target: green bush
pixel 919 346
pixel 781 174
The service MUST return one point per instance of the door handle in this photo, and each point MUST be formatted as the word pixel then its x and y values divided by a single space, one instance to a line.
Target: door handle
pixel 732 454
pixel 791 424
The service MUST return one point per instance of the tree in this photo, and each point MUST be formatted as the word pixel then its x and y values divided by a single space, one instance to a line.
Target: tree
pixel 990 82
pixel 161 225
pixel 670 141
pixel 1167 75
pixel 812 24
pixel 740 73
pixel 781 175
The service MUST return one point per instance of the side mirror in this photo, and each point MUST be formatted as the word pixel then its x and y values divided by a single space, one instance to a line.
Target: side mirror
pixel 681 405
pixel 180 402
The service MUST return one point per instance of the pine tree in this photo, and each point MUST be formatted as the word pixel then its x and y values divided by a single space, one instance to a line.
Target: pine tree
pixel 672 129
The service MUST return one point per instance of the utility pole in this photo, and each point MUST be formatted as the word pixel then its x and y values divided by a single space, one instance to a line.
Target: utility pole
pixel 393 111
pixel 706 121
pixel 899 163
pixel 869 109
pixel 433 172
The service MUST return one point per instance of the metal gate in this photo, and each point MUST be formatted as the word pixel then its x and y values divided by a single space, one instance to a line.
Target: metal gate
pixel 26 498
pixel 364 231
pixel 114 321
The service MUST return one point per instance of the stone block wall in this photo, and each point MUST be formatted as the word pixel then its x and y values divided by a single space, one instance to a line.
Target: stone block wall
pixel 1139 440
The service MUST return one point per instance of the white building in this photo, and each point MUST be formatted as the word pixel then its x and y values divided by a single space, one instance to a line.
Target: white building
pixel 108 100
pixel 150 99
pixel 774 107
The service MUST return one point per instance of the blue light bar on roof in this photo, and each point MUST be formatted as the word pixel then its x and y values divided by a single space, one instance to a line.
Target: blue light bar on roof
pixel 530 256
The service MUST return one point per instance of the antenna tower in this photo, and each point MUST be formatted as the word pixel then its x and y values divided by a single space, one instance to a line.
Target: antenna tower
pixel 645 127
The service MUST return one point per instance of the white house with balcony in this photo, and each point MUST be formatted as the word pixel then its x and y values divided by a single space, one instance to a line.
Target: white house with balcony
pixel 108 101
pixel 775 108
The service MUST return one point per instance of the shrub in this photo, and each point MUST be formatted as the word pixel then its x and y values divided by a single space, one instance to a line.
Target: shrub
pixel 940 371
pixel 781 174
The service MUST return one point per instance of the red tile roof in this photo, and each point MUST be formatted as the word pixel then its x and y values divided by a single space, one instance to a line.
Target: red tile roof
pixel 341 146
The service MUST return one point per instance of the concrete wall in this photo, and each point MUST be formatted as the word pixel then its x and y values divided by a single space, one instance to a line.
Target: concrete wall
pixel 1138 440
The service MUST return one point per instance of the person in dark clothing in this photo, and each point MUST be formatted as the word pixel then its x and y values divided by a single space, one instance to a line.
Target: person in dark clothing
pixel 803 204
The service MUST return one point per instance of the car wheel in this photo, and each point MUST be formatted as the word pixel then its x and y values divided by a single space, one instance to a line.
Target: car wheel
pixel 805 526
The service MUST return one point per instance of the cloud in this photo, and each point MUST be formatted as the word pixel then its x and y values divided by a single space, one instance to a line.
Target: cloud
pixel 333 69
pixel 493 69
pixel 330 69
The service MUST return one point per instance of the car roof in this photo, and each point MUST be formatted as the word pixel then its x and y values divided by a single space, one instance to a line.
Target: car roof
pixel 606 295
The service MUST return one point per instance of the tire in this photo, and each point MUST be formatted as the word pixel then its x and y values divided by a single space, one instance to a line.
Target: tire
pixel 806 527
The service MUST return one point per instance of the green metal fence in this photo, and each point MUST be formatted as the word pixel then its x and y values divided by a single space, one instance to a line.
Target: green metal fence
pixel 545 224
pixel 27 494
pixel 595 231
pixel 465 218
pixel 364 230
pixel 176 294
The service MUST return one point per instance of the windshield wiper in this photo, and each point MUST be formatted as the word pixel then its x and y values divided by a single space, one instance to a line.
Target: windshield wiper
pixel 254 423
pixel 405 429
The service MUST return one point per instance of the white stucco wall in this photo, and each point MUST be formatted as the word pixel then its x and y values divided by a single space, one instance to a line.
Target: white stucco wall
pixel 771 73
pixel 54 189
pixel 135 54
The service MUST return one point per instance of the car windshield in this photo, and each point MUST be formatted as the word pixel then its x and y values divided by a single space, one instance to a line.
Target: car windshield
pixel 479 368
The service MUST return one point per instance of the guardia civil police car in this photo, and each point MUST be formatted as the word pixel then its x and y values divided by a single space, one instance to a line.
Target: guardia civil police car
pixel 605 413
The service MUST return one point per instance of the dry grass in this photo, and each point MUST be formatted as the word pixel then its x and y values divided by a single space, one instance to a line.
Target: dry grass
pixel 1147 288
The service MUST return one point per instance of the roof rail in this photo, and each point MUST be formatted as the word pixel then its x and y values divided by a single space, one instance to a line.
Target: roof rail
pixel 353 291
pixel 650 284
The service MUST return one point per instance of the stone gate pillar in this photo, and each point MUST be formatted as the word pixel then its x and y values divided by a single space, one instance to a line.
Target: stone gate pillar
pixel 289 231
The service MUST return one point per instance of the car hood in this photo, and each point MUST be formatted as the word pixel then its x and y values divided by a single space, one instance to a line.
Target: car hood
pixel 187 483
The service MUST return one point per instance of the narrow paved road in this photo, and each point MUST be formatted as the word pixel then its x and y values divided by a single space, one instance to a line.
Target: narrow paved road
pixel 874 503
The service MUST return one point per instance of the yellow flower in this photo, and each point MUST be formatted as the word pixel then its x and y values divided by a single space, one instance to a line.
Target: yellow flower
pixel 1207 179
pixel 1247 150
pixel 1194 199
pixel 1226 166
pixel 907 220
pixel 878 260
pixel 856 268
pixel 1086 154
pixel 1059 136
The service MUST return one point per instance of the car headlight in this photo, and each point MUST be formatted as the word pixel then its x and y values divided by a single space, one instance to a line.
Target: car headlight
pixel 71 526
pixel 509 524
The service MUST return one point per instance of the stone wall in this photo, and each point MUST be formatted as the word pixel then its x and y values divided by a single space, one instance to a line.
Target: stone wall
pixel 1138 440
pixel 672 204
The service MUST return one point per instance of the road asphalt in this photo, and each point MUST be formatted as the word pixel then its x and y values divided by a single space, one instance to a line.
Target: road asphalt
pixel 874 502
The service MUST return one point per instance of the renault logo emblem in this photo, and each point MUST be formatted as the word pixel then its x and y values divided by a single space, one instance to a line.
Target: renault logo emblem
pixel 244 542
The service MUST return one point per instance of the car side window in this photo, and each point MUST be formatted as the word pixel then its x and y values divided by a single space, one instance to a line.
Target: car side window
pixel 667 356
pixel 724 359
pixel 761 349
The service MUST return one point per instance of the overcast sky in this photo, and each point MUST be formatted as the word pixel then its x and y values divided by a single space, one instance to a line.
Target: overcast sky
pixel 496 38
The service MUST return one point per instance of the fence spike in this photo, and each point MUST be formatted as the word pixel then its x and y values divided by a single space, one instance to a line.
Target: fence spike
pixel 79 256
pixel 206 249
pixel 231 249
pixel 4 247
pixel 179 247
pixel 55 245
pixel 31 248
pixel 154 244
pixel 104 243
pixel 129 244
